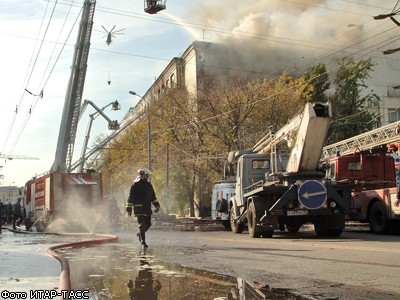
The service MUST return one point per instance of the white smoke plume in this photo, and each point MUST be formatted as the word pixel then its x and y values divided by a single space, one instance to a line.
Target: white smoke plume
pixel 272 36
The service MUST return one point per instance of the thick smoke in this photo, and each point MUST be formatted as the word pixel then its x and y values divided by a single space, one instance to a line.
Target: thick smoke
pixel 272 36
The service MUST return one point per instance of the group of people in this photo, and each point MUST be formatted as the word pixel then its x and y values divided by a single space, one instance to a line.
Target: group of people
pixel 11 213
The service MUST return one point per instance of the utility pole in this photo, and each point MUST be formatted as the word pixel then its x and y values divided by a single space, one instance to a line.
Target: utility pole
pixel 167 184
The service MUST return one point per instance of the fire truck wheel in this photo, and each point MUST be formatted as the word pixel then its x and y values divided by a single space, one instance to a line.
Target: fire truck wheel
pixel 236 227
pixel 378 219
pixel 252 221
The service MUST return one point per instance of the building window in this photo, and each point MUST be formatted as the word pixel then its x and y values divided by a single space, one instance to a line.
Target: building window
pixel 172 80
pixel 394 115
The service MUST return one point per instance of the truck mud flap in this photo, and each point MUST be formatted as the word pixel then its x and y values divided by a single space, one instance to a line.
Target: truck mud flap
pixel 263 219
pixel 289 195
pixel 343 201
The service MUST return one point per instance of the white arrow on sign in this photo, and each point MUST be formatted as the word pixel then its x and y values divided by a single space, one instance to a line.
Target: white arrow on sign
pixel 307 195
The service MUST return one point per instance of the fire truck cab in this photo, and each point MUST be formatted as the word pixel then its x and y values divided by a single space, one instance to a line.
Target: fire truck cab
pixel 373 176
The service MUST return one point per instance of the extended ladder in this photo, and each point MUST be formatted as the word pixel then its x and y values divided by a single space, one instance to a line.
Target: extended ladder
pixel 363 142
pixel 73 97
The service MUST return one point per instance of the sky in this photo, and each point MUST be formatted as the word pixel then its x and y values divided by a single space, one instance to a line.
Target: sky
pixel 38 38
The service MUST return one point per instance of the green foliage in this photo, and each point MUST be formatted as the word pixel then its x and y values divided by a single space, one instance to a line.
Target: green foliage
pixel 314 84
pixel 227 116
pixel 351 113
pixel 200 131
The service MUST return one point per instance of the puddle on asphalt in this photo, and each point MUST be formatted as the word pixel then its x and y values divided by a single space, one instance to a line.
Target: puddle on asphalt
pixel 111 272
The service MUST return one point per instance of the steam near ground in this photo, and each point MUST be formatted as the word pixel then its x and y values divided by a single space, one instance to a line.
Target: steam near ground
pixel 77 215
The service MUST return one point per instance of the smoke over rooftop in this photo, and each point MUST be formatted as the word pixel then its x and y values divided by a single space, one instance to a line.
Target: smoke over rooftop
pixel 272 36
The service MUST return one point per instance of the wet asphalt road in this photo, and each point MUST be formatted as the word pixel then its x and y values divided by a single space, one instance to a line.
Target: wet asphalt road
pixel 358 265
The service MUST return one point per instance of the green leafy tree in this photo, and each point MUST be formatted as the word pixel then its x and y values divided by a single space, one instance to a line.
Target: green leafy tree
pixel 352 104
pixel 200 131
pixel 314 84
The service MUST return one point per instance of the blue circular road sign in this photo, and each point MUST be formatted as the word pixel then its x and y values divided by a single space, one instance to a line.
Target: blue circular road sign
pixel 312 194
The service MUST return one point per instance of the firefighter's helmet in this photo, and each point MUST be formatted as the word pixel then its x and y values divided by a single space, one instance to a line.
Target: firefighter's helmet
pixel 144 171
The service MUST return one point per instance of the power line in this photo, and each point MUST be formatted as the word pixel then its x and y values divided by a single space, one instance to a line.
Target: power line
pixel 267 37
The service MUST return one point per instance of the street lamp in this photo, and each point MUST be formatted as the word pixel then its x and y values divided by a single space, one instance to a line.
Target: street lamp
pixel 148 127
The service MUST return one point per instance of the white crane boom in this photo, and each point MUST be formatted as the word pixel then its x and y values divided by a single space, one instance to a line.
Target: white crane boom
pixel 305 135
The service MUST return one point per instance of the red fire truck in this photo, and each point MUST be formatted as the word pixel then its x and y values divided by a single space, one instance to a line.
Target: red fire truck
pixel 59 192
pixel 367 161
pixel 67 197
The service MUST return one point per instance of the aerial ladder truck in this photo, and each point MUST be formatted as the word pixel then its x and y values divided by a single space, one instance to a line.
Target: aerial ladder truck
pixel 275 189
pixel 60 194
pixel 367 161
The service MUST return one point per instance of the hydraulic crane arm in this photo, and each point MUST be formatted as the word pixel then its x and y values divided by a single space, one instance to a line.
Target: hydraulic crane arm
pixel 125 123
pixel 305 135
pixel 112 125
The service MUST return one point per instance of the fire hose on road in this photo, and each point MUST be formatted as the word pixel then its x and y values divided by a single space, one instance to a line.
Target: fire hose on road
pixel 65 280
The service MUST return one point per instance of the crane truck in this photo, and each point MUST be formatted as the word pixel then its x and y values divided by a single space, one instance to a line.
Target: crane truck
pixel 274 189
pixel 59 193
pixel 367 162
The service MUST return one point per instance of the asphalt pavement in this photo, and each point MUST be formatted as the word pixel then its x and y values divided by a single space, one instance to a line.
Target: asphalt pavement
pixel 25 264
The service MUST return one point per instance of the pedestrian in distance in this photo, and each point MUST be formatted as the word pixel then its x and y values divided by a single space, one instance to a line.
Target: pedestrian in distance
pixel 141 197
pixel 17 214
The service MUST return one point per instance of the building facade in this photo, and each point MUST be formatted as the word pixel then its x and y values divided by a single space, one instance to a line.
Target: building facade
pixel 9 194
pixel 200 58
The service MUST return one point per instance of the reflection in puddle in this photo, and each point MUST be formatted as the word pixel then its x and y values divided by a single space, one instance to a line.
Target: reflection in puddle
pixel 113 272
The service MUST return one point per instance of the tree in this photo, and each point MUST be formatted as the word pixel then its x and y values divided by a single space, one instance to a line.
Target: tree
pixel 200 130
pixel 313 85
pixel 351 103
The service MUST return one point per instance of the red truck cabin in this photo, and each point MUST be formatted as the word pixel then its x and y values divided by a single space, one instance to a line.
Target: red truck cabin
pixel 366 171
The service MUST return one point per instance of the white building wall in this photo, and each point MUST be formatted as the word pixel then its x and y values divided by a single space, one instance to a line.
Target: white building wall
pixel 9 194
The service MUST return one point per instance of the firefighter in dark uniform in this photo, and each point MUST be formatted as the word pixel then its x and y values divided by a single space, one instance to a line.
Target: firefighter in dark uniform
pixel 141 197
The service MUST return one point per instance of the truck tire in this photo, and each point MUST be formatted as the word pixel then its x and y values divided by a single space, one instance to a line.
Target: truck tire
pixel 252 221
pixel 322 231
pixel 236 227
pixel 292 227
pixel 329 226
pixel 293 224
pixel 378 218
